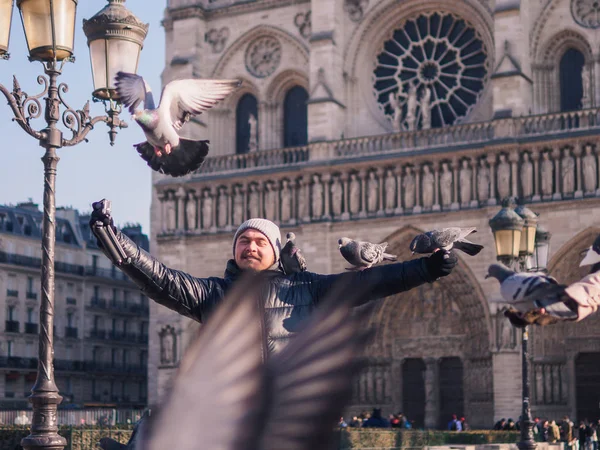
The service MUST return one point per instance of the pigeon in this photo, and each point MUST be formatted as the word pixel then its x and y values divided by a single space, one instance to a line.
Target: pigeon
pixel 165 151
pixel 363 255
pixel 290 400
pixel 291 256
pixel 447 239
pixel 593 254
pixel 527 291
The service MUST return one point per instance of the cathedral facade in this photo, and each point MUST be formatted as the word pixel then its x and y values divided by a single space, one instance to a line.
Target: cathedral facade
pixel 378 119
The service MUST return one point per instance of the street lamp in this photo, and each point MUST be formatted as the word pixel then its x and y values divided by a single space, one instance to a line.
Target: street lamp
pixel 516 236
pixel 541 251
pixel 49 31
pixel 6 7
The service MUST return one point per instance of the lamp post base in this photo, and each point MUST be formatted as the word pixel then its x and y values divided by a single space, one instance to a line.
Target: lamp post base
pixel 44 425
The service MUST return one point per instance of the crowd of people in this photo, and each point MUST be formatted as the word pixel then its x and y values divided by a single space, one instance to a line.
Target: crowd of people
pixel 374 419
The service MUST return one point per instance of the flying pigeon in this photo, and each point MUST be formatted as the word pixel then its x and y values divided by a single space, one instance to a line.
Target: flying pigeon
pixel 165 151
pixel 291 256
pixel 593 254
pixel 363 255
pixel 446 238
pixel 527 291
pixel 290 400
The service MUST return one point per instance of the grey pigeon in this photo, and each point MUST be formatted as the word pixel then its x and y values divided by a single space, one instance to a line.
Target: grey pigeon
pixel 165 151
pixel 525 291
pixel 447 239
pixel 593 254
pixel 291 256
pixel 247 401
pixel 363 255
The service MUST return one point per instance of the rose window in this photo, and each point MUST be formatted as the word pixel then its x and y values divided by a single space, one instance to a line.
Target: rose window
pixel 586 12
pixel 431 72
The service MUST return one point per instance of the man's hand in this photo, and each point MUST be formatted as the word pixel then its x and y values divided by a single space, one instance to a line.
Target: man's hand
pixel 441 263
pixel 102 215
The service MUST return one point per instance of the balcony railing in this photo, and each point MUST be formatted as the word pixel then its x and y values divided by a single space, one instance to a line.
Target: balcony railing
pixel 11 326
pixel 30 261
pixel 112 273
pixel 31 328
pixel 31 295
pixel 114 368
pixel 12 293
pixel 132 308
pixel 71 332
pixel 18 362
pixel 71 301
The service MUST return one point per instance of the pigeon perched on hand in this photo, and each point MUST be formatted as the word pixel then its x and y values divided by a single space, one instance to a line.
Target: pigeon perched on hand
pixel 291 256
pixel 526 291
pixel 290 400
pixel 165 151
pixel 446 239
pixel 363 255
pixel 593 254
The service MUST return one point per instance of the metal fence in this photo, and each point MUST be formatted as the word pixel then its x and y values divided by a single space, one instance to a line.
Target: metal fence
pixel 96 416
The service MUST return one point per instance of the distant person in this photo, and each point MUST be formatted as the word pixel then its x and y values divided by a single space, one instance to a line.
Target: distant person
pixel 376 420
pixel 22 419
pixel 454 424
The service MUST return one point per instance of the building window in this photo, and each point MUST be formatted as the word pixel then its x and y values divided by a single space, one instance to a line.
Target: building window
pixel 29 284
pixel 70 320
pixel 295 117
pixel 571 84
pixel 96 291
pixel 10 313
pixel 30 315
pixel 97 323
pixel 9 348
pixel 246 107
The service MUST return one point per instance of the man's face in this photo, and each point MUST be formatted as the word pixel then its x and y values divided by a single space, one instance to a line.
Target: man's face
pixel 253 251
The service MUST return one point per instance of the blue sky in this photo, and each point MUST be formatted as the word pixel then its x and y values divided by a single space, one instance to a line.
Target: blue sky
pixel 89 171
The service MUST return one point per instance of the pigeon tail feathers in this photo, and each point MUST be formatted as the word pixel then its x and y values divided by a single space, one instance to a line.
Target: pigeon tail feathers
pixel 389 257
pixel 187 157
pixel 468 247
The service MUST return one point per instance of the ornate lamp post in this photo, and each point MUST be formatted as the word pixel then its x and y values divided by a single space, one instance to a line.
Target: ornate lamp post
pixel 517 242
pixel 49 27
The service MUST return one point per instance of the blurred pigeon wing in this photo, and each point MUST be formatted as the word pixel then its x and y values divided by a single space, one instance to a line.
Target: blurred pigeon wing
pixel 187 157
pixel 591 257
pixel 133 90
pixel 182 98
pixel 310 380
pixel 217 391
pixel 368 251
pixel 522 286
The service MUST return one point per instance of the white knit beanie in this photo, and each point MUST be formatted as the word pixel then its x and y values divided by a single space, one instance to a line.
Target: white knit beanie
pixel 266 227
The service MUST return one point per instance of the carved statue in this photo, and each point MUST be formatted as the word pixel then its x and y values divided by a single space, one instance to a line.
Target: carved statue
pixel 238 205
pixel 568 172
pixel 302 200
pixel 190 211
pixel 207 207
pixel 428 185
pixel 547 172
pixel 270 201
pixel 253 141
pixel 253 202
pixel 483 181
pixel 585 84
pixel 222 206
pixel 426 109
pixel 167 345
pixel 465 182
pixel 372 192
pixel 411 107
pixel 526 176
pixel 171 213
pixel 408 184
pixel 503 181
pixel 317 197
pixel 286 201
pixel 590 169
pixel 446 184
pixel 397 116
pixel 354 194
pixel 390 190
pixel 337 194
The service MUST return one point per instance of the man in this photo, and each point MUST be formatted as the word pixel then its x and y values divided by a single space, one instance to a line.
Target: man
pixel 289 299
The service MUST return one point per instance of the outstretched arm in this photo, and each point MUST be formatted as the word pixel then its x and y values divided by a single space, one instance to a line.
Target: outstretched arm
pixel 382 281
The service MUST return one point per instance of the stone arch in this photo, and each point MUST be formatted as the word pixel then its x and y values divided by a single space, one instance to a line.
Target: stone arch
pixel 378 25
pixel 557 44
pixel 283 82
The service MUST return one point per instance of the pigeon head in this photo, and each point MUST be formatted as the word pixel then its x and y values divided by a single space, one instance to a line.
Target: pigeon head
pixel 499 271
pixel 420 244
pixel 343 241
pixel 291 237
pixel 146 119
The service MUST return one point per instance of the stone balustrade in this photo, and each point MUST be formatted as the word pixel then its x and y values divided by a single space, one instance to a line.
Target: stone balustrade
pixel 474 176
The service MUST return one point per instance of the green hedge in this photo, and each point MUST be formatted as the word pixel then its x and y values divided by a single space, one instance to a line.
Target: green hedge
pixel 78 438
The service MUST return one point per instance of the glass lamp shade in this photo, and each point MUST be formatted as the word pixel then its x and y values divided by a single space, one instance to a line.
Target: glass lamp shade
pixel 49 28
pixel 507 243
pixel 115 38
pixel 530 220
pixel 542 249
pixel 507 227
pixel 6 7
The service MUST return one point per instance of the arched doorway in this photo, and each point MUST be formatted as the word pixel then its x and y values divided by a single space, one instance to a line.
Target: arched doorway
pixel 413 391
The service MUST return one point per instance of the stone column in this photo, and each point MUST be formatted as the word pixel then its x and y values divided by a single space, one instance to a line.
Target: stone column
pixel 163 198
pixel 431 393
pixel 492 163
pixel 436 188
pixel 399 196
pixel 180 199
pixel 535 157
pixel 513 157
pixel 417 171
pixel 579 186
pixel 326 182
pixel 379 173
pixel 474 169
pixel 557 173
pixel 362 176
pixel 345 180
pixel 455 166
pixel 307 199
pixel 213 212
pixel 244 193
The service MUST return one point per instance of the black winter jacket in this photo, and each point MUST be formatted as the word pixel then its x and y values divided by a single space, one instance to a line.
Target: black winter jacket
pixel 290 298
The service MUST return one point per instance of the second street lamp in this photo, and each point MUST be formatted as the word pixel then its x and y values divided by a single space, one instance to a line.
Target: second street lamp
pixel 507 227
pixel 6 7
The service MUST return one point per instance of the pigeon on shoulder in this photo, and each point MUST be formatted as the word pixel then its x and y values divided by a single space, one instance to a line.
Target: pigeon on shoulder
pixel 447 239
pixel 363 255
pixel 291 256
pixel 165 151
